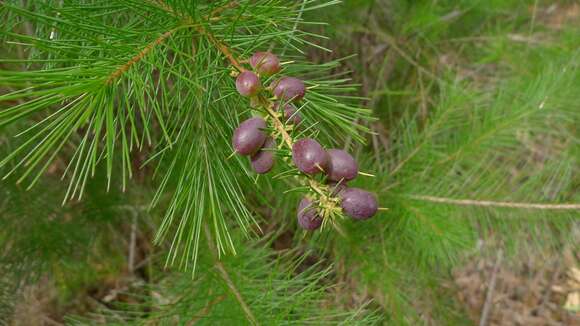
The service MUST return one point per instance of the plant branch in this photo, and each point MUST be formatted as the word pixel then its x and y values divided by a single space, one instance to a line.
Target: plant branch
pixel 268 107
pixel 122 69
pixel 226 277
pixel 221 47
pixel 489 297
pixel 139 56
pixel 206 309
pixel 489 203
pixel 279 127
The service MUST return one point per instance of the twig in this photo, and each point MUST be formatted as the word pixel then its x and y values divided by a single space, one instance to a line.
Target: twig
pixel 122 69
pixel 188 22
pixel 133 244
pixel 226 277
pixel 51 321
pixel 206 309
pixel 222 47
pixel 406 159
pixel 219 10
pixel 489 297
pixel 280 127
pixel 289 142
pixel 392 42
pixel 298 18
pixel 489 203
pixel 161 4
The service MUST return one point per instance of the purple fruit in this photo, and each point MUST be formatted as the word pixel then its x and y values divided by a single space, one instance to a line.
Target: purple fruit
pixel 289 89
pixel 249 137
pixel 263 160
pixel 290 114
pixel 358 204
pixel 265 63
pixel 308 156
pixel 341 165
pixel 336 187
pixel 247 83
pixel 308 217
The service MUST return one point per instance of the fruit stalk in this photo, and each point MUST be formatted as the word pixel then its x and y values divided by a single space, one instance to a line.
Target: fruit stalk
pixel 316 186
pixel 279 125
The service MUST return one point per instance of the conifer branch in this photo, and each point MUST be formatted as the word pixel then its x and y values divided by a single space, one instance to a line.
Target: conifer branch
pixel 289 142
pixel 280 127
pixel 489 203
pixel 226 277
pixel 490 289
pixel 139 56
pixel 134 54
pixel 224 49
pixel 206 309
pixel 267 104
pixel 203 31
pixel 122 69
pixel 161 4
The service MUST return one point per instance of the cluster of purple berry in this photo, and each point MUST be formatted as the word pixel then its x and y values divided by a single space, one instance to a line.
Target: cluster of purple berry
pixel 340 167
pixel 251 139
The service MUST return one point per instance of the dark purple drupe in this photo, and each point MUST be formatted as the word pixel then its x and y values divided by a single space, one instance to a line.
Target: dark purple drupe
pixel 265 63
pixel 249 137
pixel 289 89
pixel 290 114
pixel 248 83
pixel 308 217
pixel 263 160
pixel 308 156
pixel 336 187
pixel 341 166
pixel 358 204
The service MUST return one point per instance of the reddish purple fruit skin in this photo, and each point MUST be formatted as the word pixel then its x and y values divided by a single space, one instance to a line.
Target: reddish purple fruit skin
pixel 291 116
pixel 248 83
pixel 289 89
pixel 336 188
pixel 308 216
pixel 265 63
pixel 248 137
pixel 308 156
pixel 341 165
pixel 289 113
pixel 263 160
pixel 358 204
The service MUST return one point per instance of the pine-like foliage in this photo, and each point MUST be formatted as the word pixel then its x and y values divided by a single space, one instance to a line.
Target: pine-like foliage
pixel 254 287
pixel 100 90
pixel 112 78
pixel 95 85
pixel 485 147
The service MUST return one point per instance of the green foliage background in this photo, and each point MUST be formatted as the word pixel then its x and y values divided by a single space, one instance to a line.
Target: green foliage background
pixel 475 100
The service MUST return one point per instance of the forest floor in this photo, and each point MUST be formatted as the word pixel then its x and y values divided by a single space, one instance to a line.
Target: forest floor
pixel 534 291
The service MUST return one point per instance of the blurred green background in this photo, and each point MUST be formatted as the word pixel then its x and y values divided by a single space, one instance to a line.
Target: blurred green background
pixel 475 100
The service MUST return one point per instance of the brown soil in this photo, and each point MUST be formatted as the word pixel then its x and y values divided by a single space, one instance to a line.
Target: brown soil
pixel 537 291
